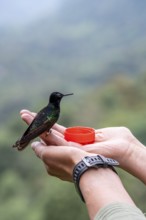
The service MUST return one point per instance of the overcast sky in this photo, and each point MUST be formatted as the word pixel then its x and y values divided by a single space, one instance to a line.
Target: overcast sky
pixel 22 11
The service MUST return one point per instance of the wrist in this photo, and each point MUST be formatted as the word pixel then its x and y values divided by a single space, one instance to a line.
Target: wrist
pixel 135 163
pixel 101 187
pixel 91 162
pixel 93 181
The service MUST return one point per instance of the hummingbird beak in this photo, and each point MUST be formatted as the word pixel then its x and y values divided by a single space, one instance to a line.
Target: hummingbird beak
pixel 68 94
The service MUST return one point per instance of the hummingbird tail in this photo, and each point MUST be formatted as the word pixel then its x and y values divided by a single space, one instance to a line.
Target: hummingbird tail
pixel 16 144
pixel 20 145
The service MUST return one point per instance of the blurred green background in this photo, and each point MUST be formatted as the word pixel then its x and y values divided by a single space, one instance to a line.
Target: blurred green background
pixel 96 49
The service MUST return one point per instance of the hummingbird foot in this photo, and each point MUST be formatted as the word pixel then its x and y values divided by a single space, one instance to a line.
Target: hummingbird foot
pixel 48 132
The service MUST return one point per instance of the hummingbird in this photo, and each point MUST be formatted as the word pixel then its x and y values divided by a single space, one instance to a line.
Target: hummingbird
pixel 43 121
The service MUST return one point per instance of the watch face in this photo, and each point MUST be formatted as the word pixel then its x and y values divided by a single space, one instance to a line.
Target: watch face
pixel 99 161
pixel 87 161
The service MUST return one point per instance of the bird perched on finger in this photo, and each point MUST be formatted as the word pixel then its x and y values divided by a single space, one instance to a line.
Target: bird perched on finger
pixel 43 121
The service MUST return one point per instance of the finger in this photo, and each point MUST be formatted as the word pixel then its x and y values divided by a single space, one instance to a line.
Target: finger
pixel 43 151
pixel 23 111
pixel 60 141
pixel 58 175
pixel 61 129
pixel 108 133
pixel 57 162
pixel 103 148
pixel 54 139
pixel 57 140
pixel 99 136
pixel 39 148
pixel 57 133
pixel 27 118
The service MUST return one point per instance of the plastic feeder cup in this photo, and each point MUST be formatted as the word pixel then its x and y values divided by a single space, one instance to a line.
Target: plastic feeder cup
pixel 81 135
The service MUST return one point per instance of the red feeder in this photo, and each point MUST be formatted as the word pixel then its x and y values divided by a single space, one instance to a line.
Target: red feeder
pixel 79 134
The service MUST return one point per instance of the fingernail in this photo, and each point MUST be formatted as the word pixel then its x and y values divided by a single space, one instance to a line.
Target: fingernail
pixel 23 111
pixel 100 135
pixel 35 144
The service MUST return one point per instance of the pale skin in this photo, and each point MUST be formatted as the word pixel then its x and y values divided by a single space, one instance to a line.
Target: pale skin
pixel 102 186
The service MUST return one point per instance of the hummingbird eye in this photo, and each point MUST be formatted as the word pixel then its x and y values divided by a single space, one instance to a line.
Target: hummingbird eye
pixel 59 95
pixel 55 96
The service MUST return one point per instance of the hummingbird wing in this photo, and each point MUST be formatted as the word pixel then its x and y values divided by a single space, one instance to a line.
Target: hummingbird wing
pixel 43 121
pixel 38 125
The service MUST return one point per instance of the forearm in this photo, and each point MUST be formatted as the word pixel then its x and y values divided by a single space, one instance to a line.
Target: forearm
pixel 136 162
pixel 101 187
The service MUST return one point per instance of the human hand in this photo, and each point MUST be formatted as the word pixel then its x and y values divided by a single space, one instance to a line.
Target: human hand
pixel 59 160
pixel 56 150
pixel 115 142
pixel 120 144
pixel 99 187
pixel 55 137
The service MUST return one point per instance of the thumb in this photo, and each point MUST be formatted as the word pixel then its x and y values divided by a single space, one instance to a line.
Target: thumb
pixel 102 148
pixel 38 148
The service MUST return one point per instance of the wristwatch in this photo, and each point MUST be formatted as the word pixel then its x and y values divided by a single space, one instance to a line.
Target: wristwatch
pixel 88 163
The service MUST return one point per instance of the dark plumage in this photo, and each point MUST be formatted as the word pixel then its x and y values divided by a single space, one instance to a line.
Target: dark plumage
pixel 43 121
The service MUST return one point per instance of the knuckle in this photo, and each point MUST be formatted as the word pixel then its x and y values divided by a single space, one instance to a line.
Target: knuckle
pixel 44 155
pixel 124 129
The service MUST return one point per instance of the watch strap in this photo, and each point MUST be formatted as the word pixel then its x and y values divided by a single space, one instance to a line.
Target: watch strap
pixel 91 162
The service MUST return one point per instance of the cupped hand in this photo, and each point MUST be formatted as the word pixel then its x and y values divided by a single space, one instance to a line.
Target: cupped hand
pixel 115 142
pixel 59 161
pixel 54 150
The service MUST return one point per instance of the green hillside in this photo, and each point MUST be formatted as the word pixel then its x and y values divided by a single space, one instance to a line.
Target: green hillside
pixel 26 191
pixel 95 49
pixel 82 44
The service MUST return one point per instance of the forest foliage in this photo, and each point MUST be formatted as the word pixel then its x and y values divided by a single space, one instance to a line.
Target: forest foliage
pixel 86 48
pixel 27 191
